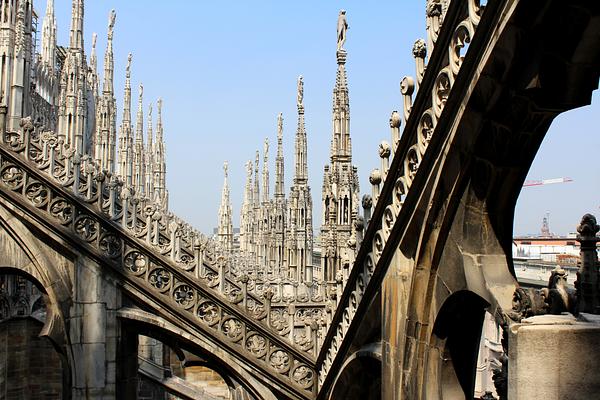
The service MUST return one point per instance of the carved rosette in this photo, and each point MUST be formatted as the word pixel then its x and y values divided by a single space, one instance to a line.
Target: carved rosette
pixel 184 296
pixel 86 227
pixel 37 194
pixel 303 376
pixel 12 177
pixel 280 361
pixel 160 279
pixel 61 210
pixel 135 263
pixel 256 344
pixel 110 245
pixel 209 313
pixel 232 328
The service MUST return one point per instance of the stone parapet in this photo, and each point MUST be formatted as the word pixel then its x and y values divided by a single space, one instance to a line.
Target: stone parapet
pixel 554 357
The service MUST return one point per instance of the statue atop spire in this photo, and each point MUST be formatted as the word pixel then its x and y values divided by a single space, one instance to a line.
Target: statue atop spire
pixel 111 23
pixel 93 55
pixel 342 26
pixel 128 68
pixel 280 126
pixel 140 99
pixel 300 98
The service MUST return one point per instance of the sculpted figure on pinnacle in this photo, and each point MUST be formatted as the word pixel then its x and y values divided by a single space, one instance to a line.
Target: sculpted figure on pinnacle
pixel 342 26
pixel 300 91
pixel 111 23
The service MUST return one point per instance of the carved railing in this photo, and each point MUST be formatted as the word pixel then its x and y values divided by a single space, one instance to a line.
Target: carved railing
pixel 160 255
pixel 391 183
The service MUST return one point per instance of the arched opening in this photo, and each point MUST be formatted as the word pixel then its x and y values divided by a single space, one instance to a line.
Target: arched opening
pixel 160 363
pixel 207 379
pixel 544 227
pixel 359 378
pixel 457 332
pixel 30 366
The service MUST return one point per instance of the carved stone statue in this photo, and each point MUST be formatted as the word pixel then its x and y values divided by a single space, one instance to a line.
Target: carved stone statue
pixel 342 26
pixel 279 125
pixel 266 148
pixel 111 23
pixel 300 100
pixel 558 297
pixel 128 69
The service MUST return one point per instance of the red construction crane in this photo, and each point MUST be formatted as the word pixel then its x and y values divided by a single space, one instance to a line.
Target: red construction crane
pixel 547 182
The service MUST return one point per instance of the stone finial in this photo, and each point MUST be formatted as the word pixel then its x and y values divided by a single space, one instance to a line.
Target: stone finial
pixel 395 120
pixel 367 201
pixel 434 9
pixel 588 228
pixel 375 177
pixel 268 293
pixel 419 49
pixel 407 86
pixel 384 149
pixel 359 224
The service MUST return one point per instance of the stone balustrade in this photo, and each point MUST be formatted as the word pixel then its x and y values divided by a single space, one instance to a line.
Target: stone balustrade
pixel 161 253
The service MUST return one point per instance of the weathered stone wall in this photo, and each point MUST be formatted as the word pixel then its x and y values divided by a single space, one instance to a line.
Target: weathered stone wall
pixel 30 368
pixel 149 390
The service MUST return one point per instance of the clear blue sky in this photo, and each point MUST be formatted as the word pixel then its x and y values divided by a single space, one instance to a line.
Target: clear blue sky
pixel 226 71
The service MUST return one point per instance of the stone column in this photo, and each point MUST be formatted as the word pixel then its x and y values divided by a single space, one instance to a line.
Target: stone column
pixel 93 332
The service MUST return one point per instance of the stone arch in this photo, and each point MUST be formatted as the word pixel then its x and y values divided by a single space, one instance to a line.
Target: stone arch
pixel 232 371
pixel 455 339
pixel 190 365
pixel 24 254
pixel 359 378
pixel 39 319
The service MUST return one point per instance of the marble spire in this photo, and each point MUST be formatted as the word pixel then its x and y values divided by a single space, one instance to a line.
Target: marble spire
pixel 149 156
pixel 225 228
pixel 76 35
pixel 49 35
pixel 279 161
pixel 106 108
pixel 265 172
pixel 340 178
pixel 301 171
pixel 161 195
pixel 138 155
pixel 126 136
